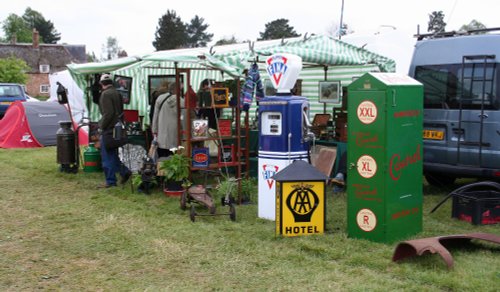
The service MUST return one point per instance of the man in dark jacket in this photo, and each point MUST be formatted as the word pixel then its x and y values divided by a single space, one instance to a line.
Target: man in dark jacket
pixel 111 108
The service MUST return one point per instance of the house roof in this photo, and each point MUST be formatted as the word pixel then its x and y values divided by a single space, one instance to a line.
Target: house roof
pixel 57 56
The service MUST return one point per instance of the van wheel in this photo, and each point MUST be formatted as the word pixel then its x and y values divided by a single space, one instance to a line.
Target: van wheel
pixel 438 179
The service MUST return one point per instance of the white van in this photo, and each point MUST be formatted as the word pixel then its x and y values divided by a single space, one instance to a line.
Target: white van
pixel 460 74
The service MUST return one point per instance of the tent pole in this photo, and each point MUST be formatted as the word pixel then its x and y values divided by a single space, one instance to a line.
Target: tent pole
pixel 341 19
pixel 325 68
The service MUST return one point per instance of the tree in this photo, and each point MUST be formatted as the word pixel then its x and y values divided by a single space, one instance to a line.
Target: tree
pixel 15 26
pixel 226 41
pixel 473 25
pixel 197 37
pixel 110 49
pixel 91 57
pixel 278 29
pixel 22 27
pixel 34 19
pixel 13 70
pixel 122 54
pixel 436 22
pixel 170 33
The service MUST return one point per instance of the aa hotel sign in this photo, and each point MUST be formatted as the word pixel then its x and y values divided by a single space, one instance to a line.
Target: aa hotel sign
pixel 300 203
pixel 301 208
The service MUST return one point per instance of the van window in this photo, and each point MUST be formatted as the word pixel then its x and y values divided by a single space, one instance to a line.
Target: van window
pixel 475 78
pixel 443 86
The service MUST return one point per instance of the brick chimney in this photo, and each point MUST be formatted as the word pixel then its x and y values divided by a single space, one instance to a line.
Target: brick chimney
pixel 36 38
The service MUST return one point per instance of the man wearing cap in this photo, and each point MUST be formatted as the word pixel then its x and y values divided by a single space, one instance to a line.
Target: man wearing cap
pixel 111 108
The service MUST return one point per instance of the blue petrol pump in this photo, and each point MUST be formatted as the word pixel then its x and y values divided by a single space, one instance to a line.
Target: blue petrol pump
pixel 283 129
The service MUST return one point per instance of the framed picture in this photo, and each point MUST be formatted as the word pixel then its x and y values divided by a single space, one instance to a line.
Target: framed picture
pixel 124 86
pixel 330 92
pixel 220 96
pixel 199 129
pixel 158 84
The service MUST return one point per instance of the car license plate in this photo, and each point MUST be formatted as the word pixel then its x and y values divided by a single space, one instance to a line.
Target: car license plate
pixel 5 102
pixel 433 135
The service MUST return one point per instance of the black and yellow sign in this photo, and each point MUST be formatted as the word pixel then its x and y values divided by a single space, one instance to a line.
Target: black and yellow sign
pixel 220 96
pixel 300 208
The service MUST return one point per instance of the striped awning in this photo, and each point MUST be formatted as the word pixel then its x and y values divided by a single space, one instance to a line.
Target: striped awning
pixel 324 58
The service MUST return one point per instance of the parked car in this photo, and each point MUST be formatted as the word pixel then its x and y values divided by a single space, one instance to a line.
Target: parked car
pixel 10 92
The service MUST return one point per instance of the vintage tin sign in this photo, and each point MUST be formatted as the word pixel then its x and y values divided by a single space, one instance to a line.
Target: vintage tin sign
pixel 200 157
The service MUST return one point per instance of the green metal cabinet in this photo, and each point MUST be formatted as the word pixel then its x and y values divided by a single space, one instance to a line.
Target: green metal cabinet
pixel 384 157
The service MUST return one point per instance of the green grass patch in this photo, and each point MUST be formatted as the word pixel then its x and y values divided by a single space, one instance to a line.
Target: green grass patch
pixel 58 232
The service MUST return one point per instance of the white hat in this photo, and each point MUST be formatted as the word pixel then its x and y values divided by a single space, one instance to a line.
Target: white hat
pixel 105 77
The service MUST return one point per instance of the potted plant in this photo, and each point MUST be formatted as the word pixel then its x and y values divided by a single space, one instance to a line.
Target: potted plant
pixel 176 171
pixel 227 189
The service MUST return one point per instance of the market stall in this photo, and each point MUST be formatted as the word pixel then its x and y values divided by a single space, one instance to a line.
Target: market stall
pixel 329 66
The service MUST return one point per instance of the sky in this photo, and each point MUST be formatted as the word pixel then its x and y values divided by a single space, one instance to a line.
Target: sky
pixel 133 23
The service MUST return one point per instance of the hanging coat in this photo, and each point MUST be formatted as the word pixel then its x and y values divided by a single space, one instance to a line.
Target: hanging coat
pixel 253 84
pixel 165 124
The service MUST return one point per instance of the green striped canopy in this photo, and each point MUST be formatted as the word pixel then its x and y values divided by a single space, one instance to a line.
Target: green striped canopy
pixel 81 74
pixel 324 58
pixel 316 50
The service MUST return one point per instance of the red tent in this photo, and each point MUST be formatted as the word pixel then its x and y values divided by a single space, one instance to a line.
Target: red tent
pixel 33 124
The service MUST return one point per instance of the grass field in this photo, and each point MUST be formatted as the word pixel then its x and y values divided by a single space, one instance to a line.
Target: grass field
pixel 58 232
